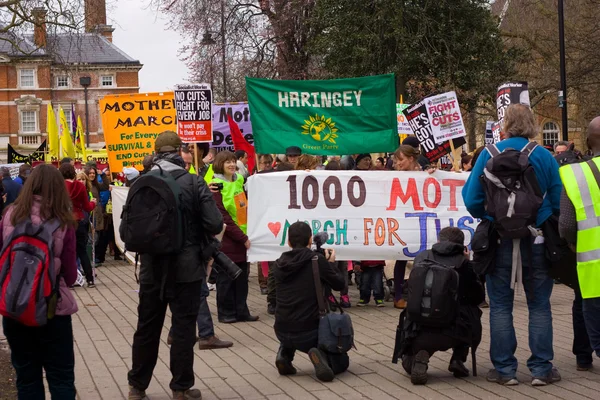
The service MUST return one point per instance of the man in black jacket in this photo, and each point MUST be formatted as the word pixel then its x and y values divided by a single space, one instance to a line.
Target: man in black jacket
pixel 297 311
pixel 423 342
pixel 174 280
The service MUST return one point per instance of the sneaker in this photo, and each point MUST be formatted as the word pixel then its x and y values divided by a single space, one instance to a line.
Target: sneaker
pixel 212 286
pixel 190 394
pixel 213 343
pixel 362 303
pixel 552 377
pixel 418 373
pixel 271 309
pixel 379 303
pixel 91 285
pixel 322 368
pixel 494 376
pixel 332 303
pixel 584 367
pixel 345 301
pixel 136 394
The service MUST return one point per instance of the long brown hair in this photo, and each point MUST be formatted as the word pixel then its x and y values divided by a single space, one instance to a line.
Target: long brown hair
pixel 87 170
pixel 46 182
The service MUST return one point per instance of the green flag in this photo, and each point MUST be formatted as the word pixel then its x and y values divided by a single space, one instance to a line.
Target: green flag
pixel 341 116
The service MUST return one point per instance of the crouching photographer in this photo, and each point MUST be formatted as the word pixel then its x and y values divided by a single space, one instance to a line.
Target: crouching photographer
pixel 300 314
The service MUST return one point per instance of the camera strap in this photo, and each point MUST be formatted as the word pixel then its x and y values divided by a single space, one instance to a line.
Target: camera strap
pixel 323 309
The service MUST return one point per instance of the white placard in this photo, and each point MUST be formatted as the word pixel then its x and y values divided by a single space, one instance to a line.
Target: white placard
pixel 445 117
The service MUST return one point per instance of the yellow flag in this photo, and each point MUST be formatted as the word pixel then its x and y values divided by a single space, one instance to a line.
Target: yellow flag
pixel 66 141
pixel 80 140
pixel 52 130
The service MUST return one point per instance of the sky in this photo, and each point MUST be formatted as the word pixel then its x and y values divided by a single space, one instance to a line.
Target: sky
pixel 142 33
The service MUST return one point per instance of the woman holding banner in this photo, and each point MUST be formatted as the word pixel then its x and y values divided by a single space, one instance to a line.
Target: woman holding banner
pixel 228 190
pixel 405 159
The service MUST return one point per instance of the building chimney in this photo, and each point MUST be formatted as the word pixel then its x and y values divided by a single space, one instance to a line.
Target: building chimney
pixel 39 30
pixel 95 18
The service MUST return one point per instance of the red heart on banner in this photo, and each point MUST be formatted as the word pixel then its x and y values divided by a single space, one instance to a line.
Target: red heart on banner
pixel 274 227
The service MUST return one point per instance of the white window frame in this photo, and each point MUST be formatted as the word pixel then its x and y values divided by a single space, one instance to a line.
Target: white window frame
pixel 67 110
pixel 101 81
pixel 36 122
pixel 58 77
pixel 34 78
pixel 550 133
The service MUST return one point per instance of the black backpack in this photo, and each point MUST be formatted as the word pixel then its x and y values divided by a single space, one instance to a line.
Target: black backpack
pixel 432 294
pixel 152 218
pixel 513 195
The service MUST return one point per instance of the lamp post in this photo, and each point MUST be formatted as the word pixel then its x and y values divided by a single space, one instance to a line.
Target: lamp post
pixel 86 81
pixel 562 98
pixel 207 40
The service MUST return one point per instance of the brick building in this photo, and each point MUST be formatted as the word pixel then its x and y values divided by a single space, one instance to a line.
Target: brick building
pixel 41 68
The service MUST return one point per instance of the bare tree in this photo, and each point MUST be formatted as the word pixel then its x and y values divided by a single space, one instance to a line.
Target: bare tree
pixel 18 19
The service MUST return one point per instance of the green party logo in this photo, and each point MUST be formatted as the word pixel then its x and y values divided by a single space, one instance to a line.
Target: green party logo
pixel 320 129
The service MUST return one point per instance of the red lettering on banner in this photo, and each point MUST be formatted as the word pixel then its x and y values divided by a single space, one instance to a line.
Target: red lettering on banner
pixel 398 193
pixel 438 193
pixel 453 184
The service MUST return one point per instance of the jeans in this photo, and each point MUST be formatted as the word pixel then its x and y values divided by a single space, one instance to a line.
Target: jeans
pixel 232 295
pixel 399 271
pixel 81 240
pixel 538 288
pixel 581 341
pixel 304 341
pixel 48 348
pixel 591 313
pixel 372 279
pixel 151 317
pixel 206 328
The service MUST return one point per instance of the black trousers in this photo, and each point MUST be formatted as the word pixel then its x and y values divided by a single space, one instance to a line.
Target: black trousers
pixel 184 305
pixel 304 341
pixel 81 240
pixel 37 349
pixel 432 342
pixel 581 342
pixel 105 237
pixel 232 296
pixel 271 286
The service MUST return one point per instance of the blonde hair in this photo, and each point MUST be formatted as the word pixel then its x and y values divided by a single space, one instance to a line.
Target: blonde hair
pixel 86 180
pixel 407 151
pixel 519 122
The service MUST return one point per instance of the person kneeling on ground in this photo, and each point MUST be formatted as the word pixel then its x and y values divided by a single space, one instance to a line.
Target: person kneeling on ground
pixel 422 340
pixel 297 313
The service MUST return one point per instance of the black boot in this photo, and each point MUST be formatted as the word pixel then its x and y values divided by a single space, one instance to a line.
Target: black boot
pixel 418 373
pixel 458 368
pixel 283 364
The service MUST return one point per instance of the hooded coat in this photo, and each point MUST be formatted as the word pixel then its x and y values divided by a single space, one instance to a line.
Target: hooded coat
pixel 297 307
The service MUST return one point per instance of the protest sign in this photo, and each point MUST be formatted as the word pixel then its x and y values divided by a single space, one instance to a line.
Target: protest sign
pixel 418 118
pixel 445 117
pixel 489 133
pixel 510 93
pixel 221 134
pixel 13 168
pixel 404 129
pixel 496 132
pixel 118 196
pixel 193 104
pixel 341 116
pixel 131 124
pixel 368 215
pixel 14 156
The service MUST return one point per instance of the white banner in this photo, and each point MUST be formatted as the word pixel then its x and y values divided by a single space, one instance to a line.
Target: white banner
pixel 368 215
pixel 445 117
pixel 221 135
pixel 119 195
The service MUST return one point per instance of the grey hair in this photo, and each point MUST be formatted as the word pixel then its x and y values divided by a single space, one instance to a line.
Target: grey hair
pixel 561 143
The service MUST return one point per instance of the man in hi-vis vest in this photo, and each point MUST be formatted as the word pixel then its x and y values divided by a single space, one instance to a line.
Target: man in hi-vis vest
pixel 579 224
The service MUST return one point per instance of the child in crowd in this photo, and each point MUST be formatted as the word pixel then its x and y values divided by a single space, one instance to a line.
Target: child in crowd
pixel 371 280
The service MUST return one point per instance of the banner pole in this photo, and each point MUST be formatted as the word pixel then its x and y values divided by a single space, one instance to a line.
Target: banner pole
pixel 196 157
pixel 455 158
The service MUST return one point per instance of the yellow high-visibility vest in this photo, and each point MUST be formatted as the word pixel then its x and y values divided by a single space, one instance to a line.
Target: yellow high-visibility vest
pixel 583 191
pixel 235 201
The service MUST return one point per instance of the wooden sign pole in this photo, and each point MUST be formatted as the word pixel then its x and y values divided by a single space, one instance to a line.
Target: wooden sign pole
pixel 196 157
pixel 455 157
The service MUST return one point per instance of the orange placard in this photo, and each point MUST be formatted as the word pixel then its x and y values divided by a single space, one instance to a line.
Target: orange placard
pixel 131 124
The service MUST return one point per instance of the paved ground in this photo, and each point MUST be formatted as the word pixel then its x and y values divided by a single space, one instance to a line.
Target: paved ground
pixel 106 321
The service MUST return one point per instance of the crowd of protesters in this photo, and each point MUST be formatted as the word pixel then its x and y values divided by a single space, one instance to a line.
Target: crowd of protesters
pixel 215 191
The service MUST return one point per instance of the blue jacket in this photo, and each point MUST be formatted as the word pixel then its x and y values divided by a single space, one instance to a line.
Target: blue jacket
pixel 12 190
pixel 546 170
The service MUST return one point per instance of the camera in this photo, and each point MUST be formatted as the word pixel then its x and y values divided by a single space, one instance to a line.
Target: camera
pixel 219 186
pixel 222 263
pixel 318 241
